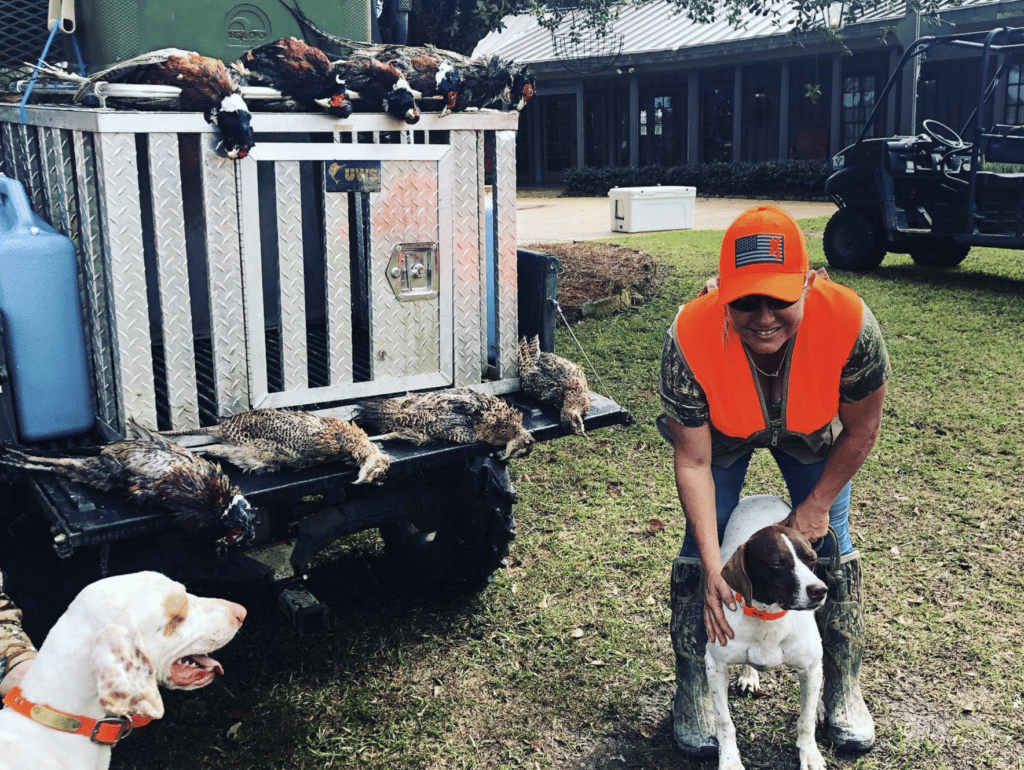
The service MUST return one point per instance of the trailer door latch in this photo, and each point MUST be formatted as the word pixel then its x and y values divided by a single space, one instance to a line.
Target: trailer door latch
pixel 412 271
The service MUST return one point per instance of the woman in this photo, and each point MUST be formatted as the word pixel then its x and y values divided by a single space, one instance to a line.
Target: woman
pixel 771 355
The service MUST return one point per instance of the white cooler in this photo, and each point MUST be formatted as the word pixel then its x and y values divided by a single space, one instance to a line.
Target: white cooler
pixel 639 209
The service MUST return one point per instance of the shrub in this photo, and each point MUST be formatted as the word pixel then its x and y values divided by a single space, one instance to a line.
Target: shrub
pixel 799 179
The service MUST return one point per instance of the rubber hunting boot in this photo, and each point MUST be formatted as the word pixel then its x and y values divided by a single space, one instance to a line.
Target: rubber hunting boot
pixel 847 721
pixel 693 715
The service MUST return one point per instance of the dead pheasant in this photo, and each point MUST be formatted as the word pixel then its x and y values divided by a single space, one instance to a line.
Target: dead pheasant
pixel 271 439
pixel 152 470
pixel 460 415
pixel 205 83
pixel 555 380
pixel 299 71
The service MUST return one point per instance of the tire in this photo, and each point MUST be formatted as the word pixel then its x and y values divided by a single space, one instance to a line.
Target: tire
pixel 853 241
pixel 461 537
pixel 943 254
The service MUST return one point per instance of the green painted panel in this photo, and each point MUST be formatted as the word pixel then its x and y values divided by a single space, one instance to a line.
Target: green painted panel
pixel 114 30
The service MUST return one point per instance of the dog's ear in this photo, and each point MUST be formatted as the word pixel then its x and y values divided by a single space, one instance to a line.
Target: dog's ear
pixel 735 574
pixel 125 677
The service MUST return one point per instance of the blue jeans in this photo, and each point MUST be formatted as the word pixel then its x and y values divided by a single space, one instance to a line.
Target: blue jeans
pixel 800 480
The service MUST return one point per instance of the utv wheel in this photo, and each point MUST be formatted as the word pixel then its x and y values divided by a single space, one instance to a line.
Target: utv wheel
pixel 853 241
pixel 939 253
pixel 462 536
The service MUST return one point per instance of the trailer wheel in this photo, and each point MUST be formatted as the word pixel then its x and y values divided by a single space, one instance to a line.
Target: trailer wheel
pixel 853 241
pixel 463 536
pixel 939 253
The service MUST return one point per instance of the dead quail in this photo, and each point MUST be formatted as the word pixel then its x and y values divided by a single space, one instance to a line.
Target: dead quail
pixel 460 415
pixel 153 470
pixel 555 380
pixel 270 439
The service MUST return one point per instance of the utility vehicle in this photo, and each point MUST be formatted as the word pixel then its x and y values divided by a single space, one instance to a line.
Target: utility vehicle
pixel 937 194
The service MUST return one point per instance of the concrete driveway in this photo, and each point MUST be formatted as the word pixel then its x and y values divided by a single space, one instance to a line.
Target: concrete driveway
pixel 540 220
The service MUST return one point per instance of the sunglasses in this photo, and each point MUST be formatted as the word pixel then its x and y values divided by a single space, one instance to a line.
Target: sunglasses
pixel 752 302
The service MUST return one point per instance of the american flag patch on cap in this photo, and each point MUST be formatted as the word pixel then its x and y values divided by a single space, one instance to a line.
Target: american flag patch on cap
pixel 759 249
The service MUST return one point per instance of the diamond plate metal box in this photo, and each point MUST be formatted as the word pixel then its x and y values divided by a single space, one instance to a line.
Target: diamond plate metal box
pixel 212 286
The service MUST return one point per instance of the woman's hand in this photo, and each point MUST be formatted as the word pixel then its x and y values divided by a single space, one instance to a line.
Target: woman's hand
pixel 810 519
pixel 716 592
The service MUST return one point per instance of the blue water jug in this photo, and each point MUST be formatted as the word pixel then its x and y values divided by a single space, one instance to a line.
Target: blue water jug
pixel 44 341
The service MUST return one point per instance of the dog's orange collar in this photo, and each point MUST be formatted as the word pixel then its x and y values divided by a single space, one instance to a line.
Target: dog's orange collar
pixel 107 731
pixel 754 612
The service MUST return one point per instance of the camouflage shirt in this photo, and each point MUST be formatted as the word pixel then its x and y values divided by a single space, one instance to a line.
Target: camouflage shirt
pixel 683 399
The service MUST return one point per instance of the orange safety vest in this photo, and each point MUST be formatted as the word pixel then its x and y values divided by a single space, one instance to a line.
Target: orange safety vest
pixel 821 347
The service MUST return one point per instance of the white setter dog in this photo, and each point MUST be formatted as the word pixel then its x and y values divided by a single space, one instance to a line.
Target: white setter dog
pixel 97 674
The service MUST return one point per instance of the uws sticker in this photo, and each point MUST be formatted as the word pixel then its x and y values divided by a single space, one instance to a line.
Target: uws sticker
pixel 247 26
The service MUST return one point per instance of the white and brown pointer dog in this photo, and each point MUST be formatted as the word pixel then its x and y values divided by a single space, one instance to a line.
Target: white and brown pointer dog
pixel 770 568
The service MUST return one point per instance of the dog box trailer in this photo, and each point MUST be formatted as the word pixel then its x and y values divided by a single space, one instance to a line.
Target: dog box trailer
pixel 338 261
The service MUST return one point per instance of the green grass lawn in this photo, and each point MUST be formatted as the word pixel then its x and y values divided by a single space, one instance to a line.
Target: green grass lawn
pixel 565 660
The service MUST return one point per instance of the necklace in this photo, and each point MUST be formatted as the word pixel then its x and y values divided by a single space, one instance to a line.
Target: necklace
pixel 777 369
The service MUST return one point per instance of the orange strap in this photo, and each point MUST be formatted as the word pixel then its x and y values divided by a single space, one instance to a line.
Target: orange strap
pixel 759 614
pixel 107 731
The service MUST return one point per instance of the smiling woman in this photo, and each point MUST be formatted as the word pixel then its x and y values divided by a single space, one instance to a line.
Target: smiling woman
pixel 773 355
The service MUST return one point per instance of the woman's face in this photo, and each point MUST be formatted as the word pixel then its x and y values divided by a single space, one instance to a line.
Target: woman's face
pixel 766 328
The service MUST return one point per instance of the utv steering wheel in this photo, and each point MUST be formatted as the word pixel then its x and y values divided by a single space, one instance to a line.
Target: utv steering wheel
pixel 943 134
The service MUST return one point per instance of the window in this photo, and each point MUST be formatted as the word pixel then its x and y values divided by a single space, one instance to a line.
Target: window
pixel 621 127
pixel 760 128
pixel 659 131
pixel 595 130
pixel 559 135
pixel 716 95
pixel 858 101
pixel 1014 115
pixel 947 91
pixel 810 99
pixel 662 121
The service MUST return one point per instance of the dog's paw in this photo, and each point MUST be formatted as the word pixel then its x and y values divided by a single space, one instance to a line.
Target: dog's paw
pixel 729 760
pixel 811 759
pixel 749 681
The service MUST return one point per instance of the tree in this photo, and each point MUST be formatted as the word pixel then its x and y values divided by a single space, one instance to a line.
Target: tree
pixel 458 25
pixel 595 17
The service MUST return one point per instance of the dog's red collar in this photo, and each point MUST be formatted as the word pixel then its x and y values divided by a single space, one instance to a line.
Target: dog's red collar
pixel 107 731
pixel 754 612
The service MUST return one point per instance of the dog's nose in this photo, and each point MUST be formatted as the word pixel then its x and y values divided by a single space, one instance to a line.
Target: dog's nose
pixel 238 614
pixel 816 592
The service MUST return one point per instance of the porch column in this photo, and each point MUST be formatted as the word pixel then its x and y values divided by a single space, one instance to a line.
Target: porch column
pixel 907 30
pixel 890 107
pixel 693 117
pixel 737 113
pixel 580 123
pixel 784 110
pixel 836 128
pixel 634 121
pixel 537 132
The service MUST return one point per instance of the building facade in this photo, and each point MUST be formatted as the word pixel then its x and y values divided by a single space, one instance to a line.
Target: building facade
pixel 661 90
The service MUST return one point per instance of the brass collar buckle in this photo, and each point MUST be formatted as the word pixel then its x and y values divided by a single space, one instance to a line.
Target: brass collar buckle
pixel 110 730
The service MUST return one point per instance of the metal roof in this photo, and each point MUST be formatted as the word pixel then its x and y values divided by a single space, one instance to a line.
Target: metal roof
pixel 659 27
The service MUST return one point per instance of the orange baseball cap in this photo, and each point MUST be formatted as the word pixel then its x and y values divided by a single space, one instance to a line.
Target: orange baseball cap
pixel 763 252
